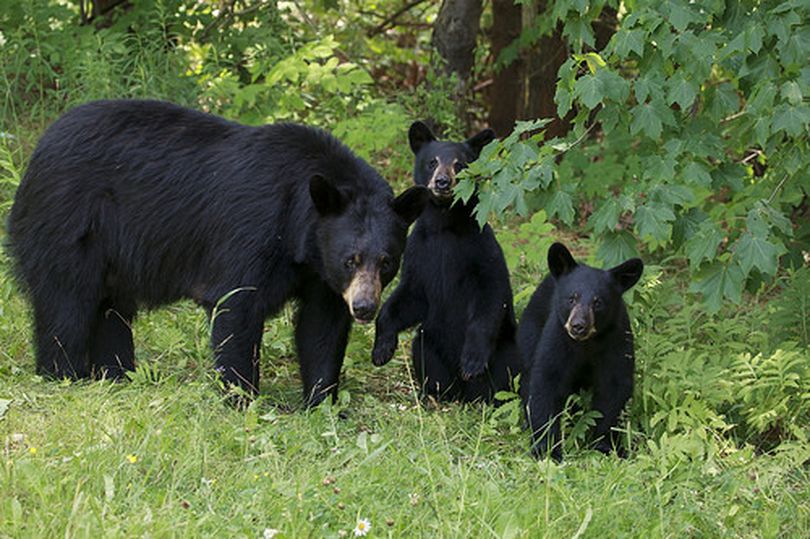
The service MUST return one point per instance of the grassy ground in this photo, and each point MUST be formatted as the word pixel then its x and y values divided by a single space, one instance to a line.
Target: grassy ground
pixel 162 455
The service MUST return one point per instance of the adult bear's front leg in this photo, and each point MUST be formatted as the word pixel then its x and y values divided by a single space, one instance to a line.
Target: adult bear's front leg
pixel 236 336
pixel 321 334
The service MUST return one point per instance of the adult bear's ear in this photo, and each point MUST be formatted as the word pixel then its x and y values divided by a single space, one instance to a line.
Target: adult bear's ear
pixel 477 142
pixel 418 135
pixel 560 260
pixel 627 273
pixel 326 197
pixel 410 203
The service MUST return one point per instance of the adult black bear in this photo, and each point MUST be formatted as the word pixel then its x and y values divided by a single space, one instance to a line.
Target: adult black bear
pixel 454 283
pixel 575 333
pixel 140 203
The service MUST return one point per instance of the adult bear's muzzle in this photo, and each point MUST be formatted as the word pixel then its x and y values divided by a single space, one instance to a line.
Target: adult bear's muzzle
pixel 362 296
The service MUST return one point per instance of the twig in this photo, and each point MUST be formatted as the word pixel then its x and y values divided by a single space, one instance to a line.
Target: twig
pixel 393 17
pixel 778 187
pixel 733 116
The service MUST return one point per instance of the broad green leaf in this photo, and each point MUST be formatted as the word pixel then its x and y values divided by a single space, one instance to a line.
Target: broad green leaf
pixel 645 86
pixel 682 91
pixel 680 16
pixel 696 172
pixel 578 31
pixel 613 86
pixel 654 221
pixel 563 99
pixel 792 92
pixel 659 168
pixel 561 205
pixel 606 216
pixel 589 90
pixel 757 252
pixel 616 247
pixel 789 119
pixel 704 243
pixel 719 281
pixel 646 119
pixel 625 41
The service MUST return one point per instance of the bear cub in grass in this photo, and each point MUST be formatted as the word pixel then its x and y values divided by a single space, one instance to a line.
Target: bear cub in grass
pixel 133 204
pixel 454 284
pixel 574 334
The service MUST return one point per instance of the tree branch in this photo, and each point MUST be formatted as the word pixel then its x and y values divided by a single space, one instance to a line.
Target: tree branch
pixel 391 19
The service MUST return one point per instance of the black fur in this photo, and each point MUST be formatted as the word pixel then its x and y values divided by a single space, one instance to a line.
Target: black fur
pixel 594 351
pixel 454 284
pixel 130 204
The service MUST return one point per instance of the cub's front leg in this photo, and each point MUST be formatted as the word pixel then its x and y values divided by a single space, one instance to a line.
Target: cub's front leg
pixel 405 308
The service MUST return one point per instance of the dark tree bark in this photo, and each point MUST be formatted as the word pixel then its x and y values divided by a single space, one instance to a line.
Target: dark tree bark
pixel 455 33
pixel 543 61
pixel 505 94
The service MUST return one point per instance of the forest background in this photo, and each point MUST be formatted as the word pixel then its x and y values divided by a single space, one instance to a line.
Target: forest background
pixel 676 131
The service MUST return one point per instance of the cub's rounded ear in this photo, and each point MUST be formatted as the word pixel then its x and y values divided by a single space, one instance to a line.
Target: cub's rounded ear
pixel 418 135
pixel 560 260
pixel 477 142
pixel 627 273
pixel 327 198
pixel 410 203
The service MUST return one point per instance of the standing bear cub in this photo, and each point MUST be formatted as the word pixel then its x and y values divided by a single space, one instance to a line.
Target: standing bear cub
pixel 131 204
pixel 454 284
pixel 574 334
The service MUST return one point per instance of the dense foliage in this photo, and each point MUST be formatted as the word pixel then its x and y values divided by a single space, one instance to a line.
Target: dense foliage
pixel 702 118
pixel 689 146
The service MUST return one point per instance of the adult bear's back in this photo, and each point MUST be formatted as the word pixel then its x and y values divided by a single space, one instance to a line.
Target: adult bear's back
pixel 151 189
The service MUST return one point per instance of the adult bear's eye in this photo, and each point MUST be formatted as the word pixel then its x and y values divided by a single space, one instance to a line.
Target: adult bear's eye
pixel 458 167
pixel 597 303
pixel 353 261
pixel 572 299
pixel 433 163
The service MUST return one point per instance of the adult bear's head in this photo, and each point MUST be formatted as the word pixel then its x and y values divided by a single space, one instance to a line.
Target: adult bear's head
pixel 361 236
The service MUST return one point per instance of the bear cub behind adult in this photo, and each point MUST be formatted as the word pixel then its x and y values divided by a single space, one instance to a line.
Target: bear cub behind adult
pixel 574 334
pixel 454 285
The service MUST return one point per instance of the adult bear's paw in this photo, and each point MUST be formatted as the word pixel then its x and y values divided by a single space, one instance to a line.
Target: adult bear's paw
pixel 473 364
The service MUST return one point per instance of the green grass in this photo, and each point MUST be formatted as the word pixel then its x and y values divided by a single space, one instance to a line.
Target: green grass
pixel 163 455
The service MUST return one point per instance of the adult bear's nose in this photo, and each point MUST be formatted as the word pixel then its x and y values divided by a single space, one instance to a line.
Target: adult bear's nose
pixel 364 310
pixel 578 328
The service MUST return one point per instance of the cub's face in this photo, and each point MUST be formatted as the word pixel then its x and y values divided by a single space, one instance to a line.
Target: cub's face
pixel 360 241
pixel 587 299
pixel 437 163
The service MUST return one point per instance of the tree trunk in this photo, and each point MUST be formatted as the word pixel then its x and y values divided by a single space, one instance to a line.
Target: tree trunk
pixel 454 35
pixel 505 94
pixel 542 62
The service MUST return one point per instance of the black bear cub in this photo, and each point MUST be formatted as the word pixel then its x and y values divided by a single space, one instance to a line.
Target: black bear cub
pixel 574 334
pixel 454 284
pixel 133 204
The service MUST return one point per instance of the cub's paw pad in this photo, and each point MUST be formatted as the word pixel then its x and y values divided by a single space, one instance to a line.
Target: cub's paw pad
pixel 383 351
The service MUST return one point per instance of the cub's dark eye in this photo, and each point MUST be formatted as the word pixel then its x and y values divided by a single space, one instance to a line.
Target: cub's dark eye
pixel 572 299
pixel 458 167
pixel 433 163
pixel 353 261
pixel 597 303
pixel 386 264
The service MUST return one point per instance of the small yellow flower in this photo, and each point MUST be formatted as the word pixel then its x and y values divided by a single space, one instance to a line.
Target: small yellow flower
pixel 362 528
pixel 32 450
pixel 132 459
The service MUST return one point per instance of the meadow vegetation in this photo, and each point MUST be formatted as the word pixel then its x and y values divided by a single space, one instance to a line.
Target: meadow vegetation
pixel 719 421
